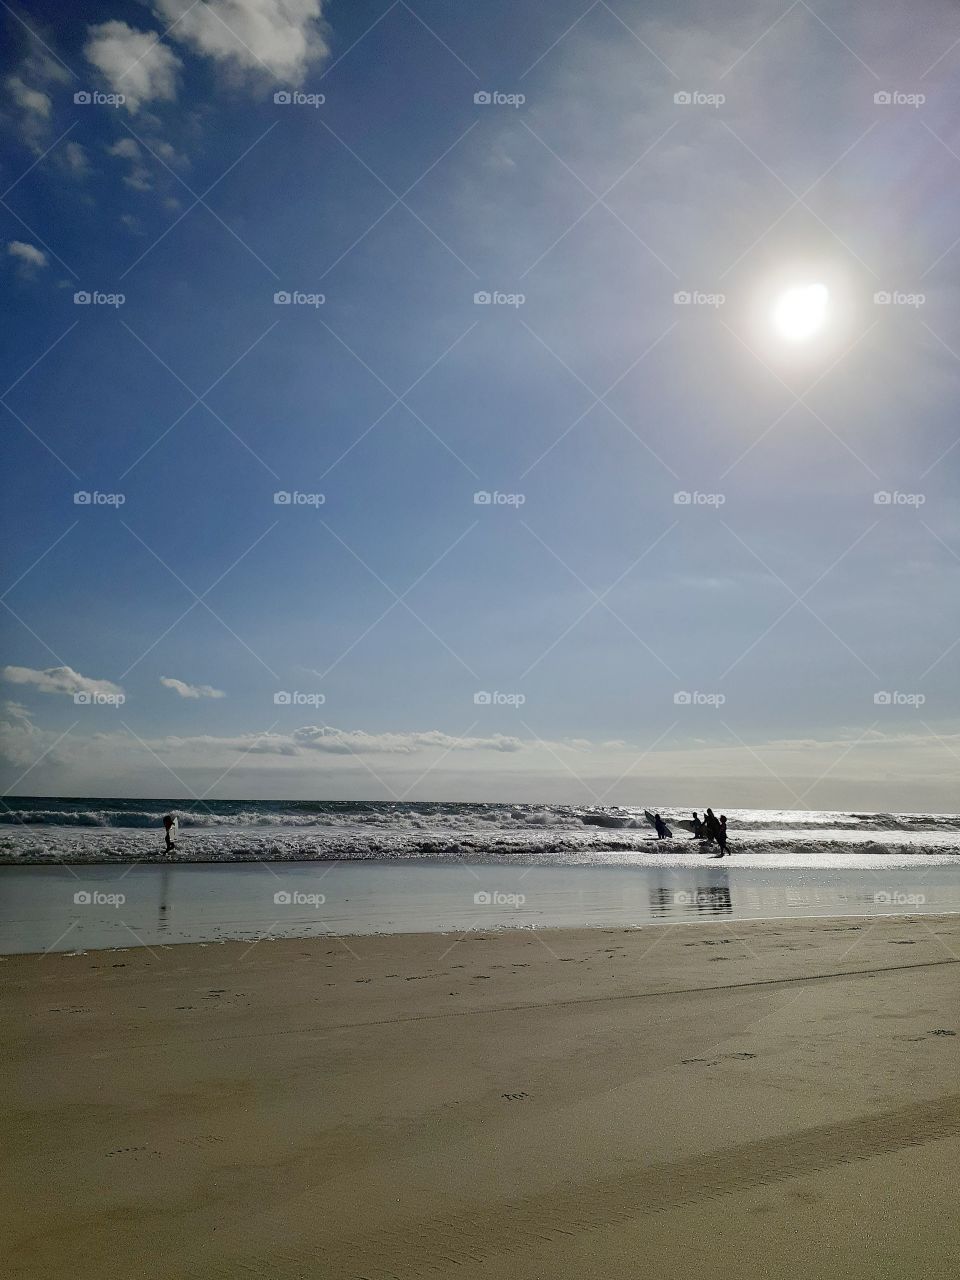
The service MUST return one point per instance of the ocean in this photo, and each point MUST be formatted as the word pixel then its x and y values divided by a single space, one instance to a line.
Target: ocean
pixel 78 830
pixel 90 873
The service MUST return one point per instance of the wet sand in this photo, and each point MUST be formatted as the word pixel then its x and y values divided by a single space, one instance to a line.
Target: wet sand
pixel 86 908
pixel 775 1099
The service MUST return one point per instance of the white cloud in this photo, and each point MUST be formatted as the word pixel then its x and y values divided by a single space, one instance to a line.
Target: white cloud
pixel 356 742
pixel 168 153
pixel 75 159
pixel 134 63
pixel 191 690
pixel 139 179
pixel 27 87
pixel 279 38
pixel 27 254
pixel 59 680
pixel 21 742
pixel 126 148
pixel 31 100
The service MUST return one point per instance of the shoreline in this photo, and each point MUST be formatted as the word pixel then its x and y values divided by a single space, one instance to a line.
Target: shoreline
pixel 785 853
pixel 628 1099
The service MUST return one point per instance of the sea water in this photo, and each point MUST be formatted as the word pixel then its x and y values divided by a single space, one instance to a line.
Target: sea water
pixel 95 830
pixel 93 873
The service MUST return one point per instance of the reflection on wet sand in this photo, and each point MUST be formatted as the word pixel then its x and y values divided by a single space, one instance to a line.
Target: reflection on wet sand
pixel 163 923
pixel 702 893
pixel 78 908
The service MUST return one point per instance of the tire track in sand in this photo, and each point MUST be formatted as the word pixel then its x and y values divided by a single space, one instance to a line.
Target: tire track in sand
pixel 411 1249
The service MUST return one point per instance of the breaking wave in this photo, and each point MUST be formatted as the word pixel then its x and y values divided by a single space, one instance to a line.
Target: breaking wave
pixel 98 830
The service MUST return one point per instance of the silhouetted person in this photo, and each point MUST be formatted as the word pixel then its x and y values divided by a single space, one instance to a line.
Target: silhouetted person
pixel 697 827
pixel 722 834
pixel 168 827
pixel 662 832
pixel 710 825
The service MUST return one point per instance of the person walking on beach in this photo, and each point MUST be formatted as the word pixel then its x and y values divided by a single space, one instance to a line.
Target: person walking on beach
pixel 722 834
pixel 168 821
pixel 661 826
pixel 715 831
pixel 697 827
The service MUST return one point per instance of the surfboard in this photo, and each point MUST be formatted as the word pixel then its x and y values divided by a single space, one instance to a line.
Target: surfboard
pixel 651 819
pixel 688 825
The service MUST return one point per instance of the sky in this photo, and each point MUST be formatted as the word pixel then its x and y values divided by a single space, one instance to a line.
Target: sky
pixel 396 403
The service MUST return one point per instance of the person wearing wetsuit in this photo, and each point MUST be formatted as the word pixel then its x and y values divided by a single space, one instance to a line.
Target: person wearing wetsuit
pixel 722 834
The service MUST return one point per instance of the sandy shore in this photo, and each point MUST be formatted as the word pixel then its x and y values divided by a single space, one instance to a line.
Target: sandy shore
pixel 775 1100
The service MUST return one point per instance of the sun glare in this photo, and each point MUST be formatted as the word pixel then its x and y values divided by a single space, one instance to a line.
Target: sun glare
pixel 801 312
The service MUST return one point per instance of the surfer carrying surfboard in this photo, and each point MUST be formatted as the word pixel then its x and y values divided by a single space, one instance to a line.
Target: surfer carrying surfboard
pixel 716 829
pixel 169 826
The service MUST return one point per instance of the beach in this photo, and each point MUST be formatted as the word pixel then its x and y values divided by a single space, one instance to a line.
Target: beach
pixel 772 1098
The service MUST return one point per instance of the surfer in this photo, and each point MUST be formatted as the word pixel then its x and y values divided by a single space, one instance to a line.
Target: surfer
pixel 722 834
pixel 662 829
pixel 168 821
pixel 698 832
pixel 716 830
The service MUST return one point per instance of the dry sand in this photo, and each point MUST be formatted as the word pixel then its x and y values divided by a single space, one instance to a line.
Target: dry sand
pixel 775 1099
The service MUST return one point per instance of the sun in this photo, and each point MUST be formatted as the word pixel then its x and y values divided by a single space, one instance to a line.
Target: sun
pixel 801 312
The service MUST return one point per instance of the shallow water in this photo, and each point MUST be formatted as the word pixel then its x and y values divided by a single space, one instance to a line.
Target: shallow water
pixel 55 908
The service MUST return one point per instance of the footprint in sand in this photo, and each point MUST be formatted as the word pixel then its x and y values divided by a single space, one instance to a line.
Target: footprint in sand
pixel 713 1062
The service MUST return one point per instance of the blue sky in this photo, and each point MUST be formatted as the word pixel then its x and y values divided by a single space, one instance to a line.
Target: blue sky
pixel 783 597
